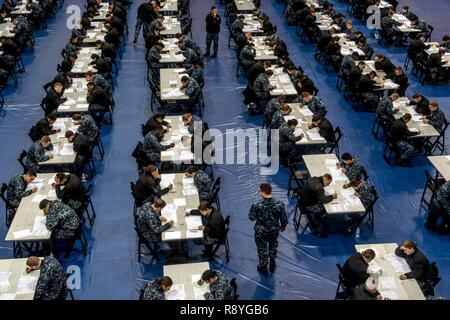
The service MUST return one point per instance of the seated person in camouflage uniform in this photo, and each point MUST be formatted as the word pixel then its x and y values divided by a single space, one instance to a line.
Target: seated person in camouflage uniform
pixel 270 218
pixel 440 210
pixel 278 116
pixel 436 118
pixel 262 86
pixel 273 106
pixel 314 104
pixel 156 289
pixel 87 126
pixel 17 188
pixel 36 153
pixel 365 194
pixel 61 220
pixel 219 285
pixel 82 147
pixel 202 182
pixel 191 121
pixel 152 147
pixel 288 139
pixel 385 109
pixel 52 283
pixel 351 167
pixel 192 89
pixel 149 221
pixel 212 226
pixel 400 134
pixel 70 190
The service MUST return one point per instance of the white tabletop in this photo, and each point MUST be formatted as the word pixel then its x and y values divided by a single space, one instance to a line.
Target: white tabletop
pixel 187 275
pixel 244 5
pixel 180 152
pixel 263 51
pixel 442 165
pixel 170 45
pixel 284 85
pixel 304 117
pixel 172 26
pixel 170 81
pixel 14 270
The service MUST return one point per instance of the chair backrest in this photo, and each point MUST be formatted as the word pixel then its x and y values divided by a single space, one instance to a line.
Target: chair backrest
pixel 338 134
pixel 234 286
pixel 226 222
pixel 216 184
pixel 342 278
pixel 22 156
pixel 3 190
pixel 436 279
pixel 364 174
pixel 444 128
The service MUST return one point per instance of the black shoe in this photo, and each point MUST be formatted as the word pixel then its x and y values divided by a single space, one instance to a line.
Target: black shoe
pixel 272 265
pixel 263 270
pixel 206 55
pixel 214 55
pixel 321 234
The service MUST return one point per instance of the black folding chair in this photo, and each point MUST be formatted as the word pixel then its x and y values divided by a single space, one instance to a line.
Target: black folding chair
pixel 343 291
pixel 9 211
pixel 223 241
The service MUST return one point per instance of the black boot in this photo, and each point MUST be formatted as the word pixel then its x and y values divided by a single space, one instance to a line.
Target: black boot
pixel 263 270
pixel 272 265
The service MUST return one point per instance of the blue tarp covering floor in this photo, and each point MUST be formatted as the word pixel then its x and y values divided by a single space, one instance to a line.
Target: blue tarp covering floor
pixel 306 264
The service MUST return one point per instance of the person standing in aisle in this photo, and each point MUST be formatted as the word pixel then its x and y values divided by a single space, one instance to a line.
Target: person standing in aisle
pixel 271 218
pixel 212 31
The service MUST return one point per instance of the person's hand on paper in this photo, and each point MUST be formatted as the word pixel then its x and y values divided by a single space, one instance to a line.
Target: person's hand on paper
pixel 343 170
pixel 170 187
pixel 379 297
pixel 50 156
pixel 335 195
pixel 338 165
pixel 200 282
pixel 58 130
pixel 162 219
pixel 403 277
pixel 169 126
pixel 171 222
pixel 172 145
pixel 34 190
pixel 201 228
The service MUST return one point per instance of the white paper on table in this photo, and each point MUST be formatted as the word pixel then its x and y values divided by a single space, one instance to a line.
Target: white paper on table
pixel 68 90
pixel 67 150
pixel 328 191
pixel 167 153
pixel 35 184
pixel 337 174
pixel 277 91
pixel 38 198
pixel 399 264
pixel 7 296
pixel 413 129
pixel 74 128
pixel 190 192
pixel 314 135
pixel 179 202
pixel 61 135
pixel 176 292
pixel 330 163
pixel 298 131
pixel 447 157
pixel 199 290
pixel 183 131
pixel 186 155
pixel 4 276
pixel 165 56
pixel 389 294
pixel 22 234
pixel 416 118
pixel 352 200
pixel 386 283
pixel 166 143
pixel 39 228
pixel 170 214
pixel 172 235
pixel 338 207
pixel 188 183
pixel 193 222
pixel 290 90
pixel 287 118
pixel 64 107
pixel 52 193
pixel 68 102
pixel 26 284
pixel 194 234
pixel 373 267
pixel 82 106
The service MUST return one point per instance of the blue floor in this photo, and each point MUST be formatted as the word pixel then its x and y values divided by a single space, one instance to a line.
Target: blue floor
pixel 306 264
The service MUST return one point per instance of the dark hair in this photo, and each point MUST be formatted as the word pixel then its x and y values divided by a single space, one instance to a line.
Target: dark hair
pixel 328 176
pixel 416 95
pixel 164 281
pixel 184 79
pixel 292 122
pixel 69 134
pixel 407 116
pixel 446 38
pixel 266 188
pixel 204 205
pixel 51 117
pixel 346 156
pixel 44 203
pixel 76 116
pixel 191 169
pixel 409 244
pixel 208 274
pixel 61 176
pixel 269 72
pixel 31 173
pixel 160 115
pixel 316 117
pixel 150 168
pixel 159 203
pixel 368 254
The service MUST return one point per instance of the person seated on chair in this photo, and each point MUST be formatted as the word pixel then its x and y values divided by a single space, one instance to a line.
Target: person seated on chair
pixel 212 226
pixel 70 190
pixel 421 104
pixel 365 47
pixel 36 153
pixel 400 134
pixel 407 13
pixel 348 63
pixel 288 139
pixel 324 126
pixel 152 147
pixel 81 146
pixel 273 106
pixel 87 126
pixel 202 182
pixel 68 63
pixel 418 263
pixel 238 24
pixel 65 78
pixel 17 189
pixel 384 64
pixel 440 209
pixel 388 26
pixel 355 74
pixel 355 268
pixel 385 109
pixel 294 73
pixel 278 116
pixel 219 285
pixel 195 71
pixel 366 196
pixel 192 122
pixel 368 291
pixel 304 84
pixel 401 79
pixel 155 121
pixel 350 31
pixel 247 57
pixel 436 118
pixel 434 65
pixel 72 46
pixel 313 197
pixel 191 88
pixel 285 62
pixel 98 101
pixel 446 43
pixel 262 85
pixel 44 127
pixel 62 220
pixel 351 167
pixel 156 289
pixel 54 98
pixel 417 47
pixel 52 281
pixel 314 104
pixel 149 186
pixel 149 221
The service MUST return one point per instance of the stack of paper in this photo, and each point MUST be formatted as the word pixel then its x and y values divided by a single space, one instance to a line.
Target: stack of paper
pixel 190 192
pixel 188 183
pixel 67 150
pixel 313 135
pixel 39 228
pixel 386 283
pixel 399 264
pixel 389 294
pixel 38 198
pixel 22 234
pixel 193 222
pixel 179 202
pixel 169 214
pixel 37 183
pixel 4 281
pixel 199 290
pixel 172 235
pixel 194 234
pixel 26 284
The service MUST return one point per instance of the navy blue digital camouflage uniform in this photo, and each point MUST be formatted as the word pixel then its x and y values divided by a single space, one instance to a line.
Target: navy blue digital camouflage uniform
pixel 36 154
pixel 16 190
pixel 148 223
pixel 385 108
pixel 354 170
pixel 88 128
pixel 62 221
pixel 153 291
pixel 272 106
pixel 51 284
pixel 261 87
pixel 221 289
pixel 152 147
pixel 277 120
pixel 270 216
pixel 436 119
pixel 203 184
